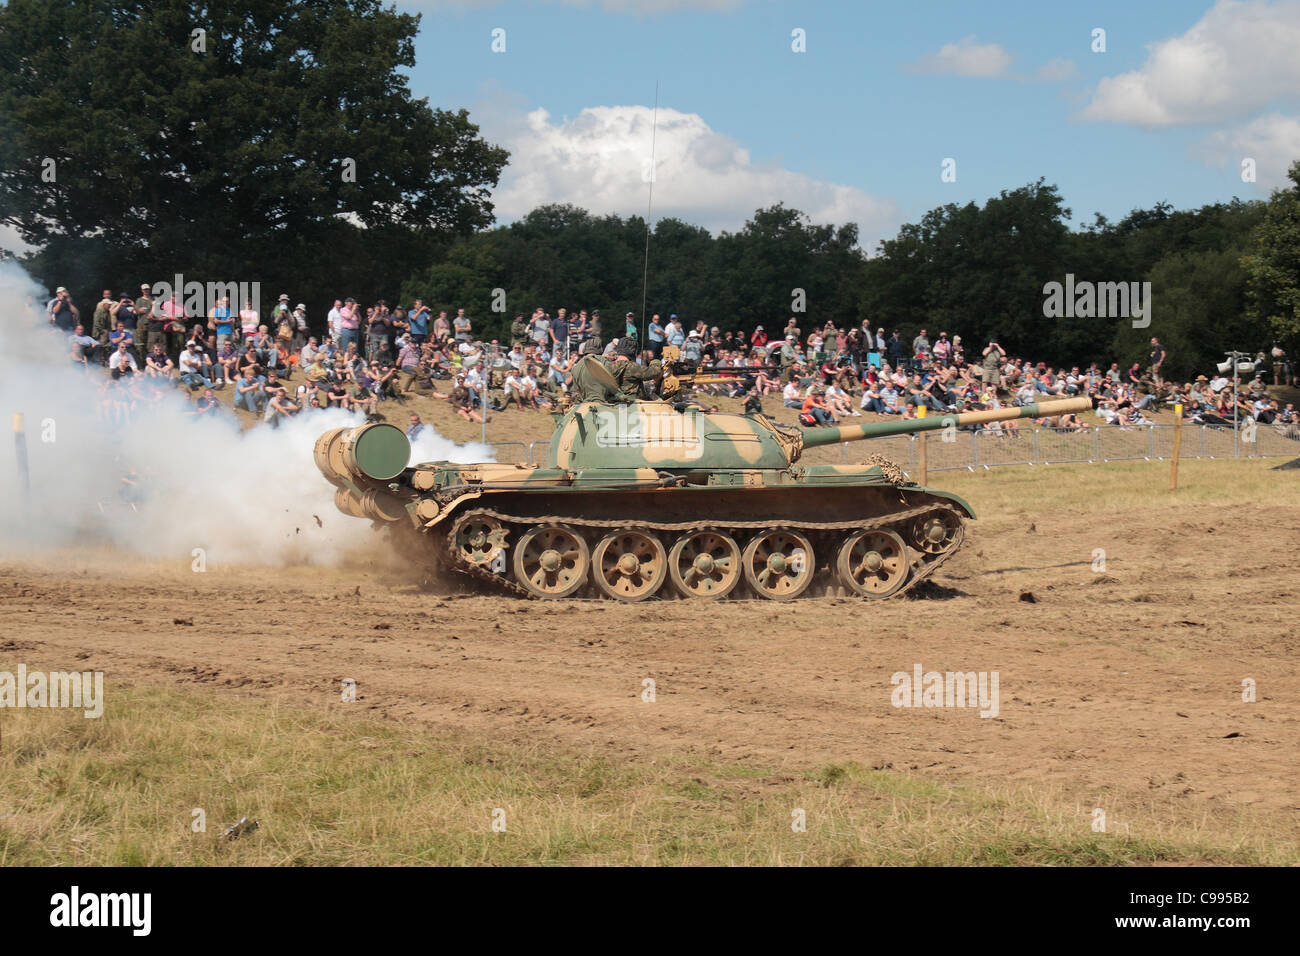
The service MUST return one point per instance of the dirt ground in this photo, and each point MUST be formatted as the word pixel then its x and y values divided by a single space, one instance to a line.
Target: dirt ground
pixel 1114 684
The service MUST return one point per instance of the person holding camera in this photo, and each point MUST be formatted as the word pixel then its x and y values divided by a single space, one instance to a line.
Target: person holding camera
pixel 994 355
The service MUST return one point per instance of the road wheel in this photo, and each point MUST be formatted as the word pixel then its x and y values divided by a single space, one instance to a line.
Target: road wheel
pixel 629 565
pixel 705 564
pixel 551 561
pixel 873 563
pixel 779 565
pixel 480 539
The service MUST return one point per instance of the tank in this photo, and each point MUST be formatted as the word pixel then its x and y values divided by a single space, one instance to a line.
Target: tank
pixel 646 499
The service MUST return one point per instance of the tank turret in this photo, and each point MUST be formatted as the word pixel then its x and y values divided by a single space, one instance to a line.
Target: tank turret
pixel 642 499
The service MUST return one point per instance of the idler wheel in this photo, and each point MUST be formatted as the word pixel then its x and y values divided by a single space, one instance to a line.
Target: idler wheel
pixel 551 561
pixel 705 564
pixel 936 532
pixel 873 563
pixel 629 565
pixel 779 565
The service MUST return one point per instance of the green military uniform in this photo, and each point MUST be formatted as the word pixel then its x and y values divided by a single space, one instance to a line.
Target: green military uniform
pixel 143 312
pixel 103 322
pixel 518 332
pixel 789 355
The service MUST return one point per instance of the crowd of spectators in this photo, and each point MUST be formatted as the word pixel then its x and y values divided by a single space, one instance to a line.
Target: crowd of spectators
pixel 368 356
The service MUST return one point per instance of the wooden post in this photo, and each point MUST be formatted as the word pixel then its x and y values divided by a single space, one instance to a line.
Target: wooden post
pixel 921 463
pixel 1178 447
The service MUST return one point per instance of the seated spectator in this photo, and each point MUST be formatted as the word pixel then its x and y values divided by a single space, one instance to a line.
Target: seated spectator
pixel 85 349
pixel 837 400
pixel 121 364
pixel 278 406
pixel 815 405
pixel 791 395
pixel 157 364
pixel 207 405
pixel 119 335
pixel 460 398
pixel 193 372
pixel 250 394
pixel 415 427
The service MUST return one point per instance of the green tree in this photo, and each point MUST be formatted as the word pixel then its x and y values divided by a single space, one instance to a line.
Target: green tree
pixel 1273 265
pixel 281 144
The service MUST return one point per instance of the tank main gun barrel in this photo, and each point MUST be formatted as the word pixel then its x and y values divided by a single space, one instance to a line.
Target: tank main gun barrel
pixel 813 437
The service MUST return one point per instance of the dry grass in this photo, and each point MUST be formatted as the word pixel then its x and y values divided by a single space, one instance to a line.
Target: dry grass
pixel 330 788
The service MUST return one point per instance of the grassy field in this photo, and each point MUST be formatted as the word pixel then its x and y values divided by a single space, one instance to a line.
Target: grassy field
pixel 328 788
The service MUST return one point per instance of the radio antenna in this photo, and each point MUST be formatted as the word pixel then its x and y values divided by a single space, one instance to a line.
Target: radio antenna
pixel 649 211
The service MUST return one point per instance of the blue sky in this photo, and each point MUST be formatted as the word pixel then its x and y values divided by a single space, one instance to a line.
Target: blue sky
pixel 856 127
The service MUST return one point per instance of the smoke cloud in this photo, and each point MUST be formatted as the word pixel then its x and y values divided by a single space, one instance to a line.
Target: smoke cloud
pixel 241 497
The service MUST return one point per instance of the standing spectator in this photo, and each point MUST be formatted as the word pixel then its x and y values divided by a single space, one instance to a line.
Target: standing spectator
pixel 63 314
pixel 992 364
pixel 539 328
pixel 141 309
pixel 1157 360
pixel 579 329
pixel 102 323
pixel 378 327
pixel 461 327
pixel 418 320
pixel 221 320
pixel 655 336
pixel 560 332
pixel 349 324
pixel 334 322
pixel 921 344
pixel 173 326
pixel 675 335
pixel 441 329
pixel 248 321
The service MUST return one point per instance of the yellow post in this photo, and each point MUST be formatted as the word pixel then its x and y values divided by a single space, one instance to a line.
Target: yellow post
pixel 1178 447
pixel 921 464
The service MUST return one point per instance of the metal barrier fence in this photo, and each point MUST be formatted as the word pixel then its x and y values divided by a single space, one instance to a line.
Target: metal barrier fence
pixel 519 457
pixel 537 452
pixel 1042 446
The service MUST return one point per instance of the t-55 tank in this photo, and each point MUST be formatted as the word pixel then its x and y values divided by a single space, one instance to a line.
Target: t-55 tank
pixel 642 499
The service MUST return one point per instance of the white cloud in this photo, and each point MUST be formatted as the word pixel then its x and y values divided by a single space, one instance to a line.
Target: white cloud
pixel 966 57
pixel 1272 141
pixel 1236 59
pixel 599 160
pixel 1057 70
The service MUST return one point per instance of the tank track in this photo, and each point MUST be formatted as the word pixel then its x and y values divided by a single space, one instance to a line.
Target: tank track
pixel 923 566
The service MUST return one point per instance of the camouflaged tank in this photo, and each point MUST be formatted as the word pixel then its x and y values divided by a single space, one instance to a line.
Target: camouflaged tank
pixel 642 499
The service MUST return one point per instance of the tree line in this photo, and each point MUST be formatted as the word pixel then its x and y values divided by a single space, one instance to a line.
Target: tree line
pixel 280 144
